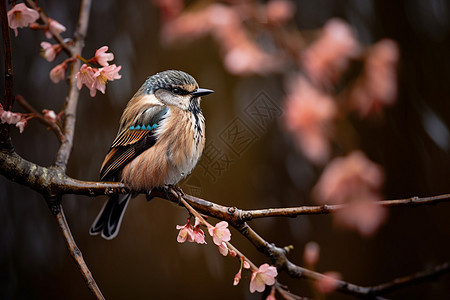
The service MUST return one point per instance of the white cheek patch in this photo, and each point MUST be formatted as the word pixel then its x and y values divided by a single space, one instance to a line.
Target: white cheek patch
pixel 169 98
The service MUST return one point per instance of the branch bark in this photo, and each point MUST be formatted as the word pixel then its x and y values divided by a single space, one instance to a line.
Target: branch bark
pixel 57 210
pixel 65 149
pixel 9 78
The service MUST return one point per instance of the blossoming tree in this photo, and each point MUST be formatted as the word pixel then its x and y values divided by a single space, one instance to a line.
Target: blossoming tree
pixel 319 99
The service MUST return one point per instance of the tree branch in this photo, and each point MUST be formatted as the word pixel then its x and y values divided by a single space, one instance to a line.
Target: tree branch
pixel 9 78
pixel 65 149
pixel 53 182
pixel 44 18
pixel 57 210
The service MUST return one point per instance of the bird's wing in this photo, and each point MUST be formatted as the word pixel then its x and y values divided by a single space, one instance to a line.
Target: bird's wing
pixel 132 140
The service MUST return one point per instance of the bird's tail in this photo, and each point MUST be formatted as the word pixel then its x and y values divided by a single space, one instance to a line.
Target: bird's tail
pixel 108 220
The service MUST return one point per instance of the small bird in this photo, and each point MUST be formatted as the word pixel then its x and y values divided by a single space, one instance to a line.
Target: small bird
pixel 160 140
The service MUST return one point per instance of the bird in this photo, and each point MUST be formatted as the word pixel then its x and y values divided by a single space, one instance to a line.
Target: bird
pixel 160 140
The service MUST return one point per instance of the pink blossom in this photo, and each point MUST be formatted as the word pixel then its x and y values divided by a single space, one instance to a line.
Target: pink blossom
pixel 54 28
pixel 103 75
pixel 265 275
pixel 223 249
pixel 327 58
pixel 354 180
pixel 309 116
pixel 21 16
pixel 186 233
pixel 346 178
pixel 220 233
pixel 328 283
pixel 50 115
pixel 86 76
pixel 237 277
pixel 199 235
pixel 49 51
pixel 364 216
pixel 58 73
pixel 311 253
pixel 377 87
pixel 279 11
pixel 102 57
pixel 9 117
pixel 245 264
pixel 21 125
pixel 241 55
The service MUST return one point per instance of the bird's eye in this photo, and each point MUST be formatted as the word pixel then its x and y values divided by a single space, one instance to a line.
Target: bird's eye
pixel 177 91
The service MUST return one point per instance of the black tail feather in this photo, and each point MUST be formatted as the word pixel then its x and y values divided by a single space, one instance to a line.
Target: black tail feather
pixel 110 217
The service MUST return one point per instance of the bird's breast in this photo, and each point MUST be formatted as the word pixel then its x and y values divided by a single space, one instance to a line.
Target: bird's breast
pixel 180 143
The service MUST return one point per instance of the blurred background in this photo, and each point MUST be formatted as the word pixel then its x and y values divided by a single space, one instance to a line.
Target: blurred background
pixel 409 139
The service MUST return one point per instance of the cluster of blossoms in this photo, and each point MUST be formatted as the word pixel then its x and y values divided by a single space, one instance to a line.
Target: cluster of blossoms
pixel 18 119
pixel 221 235
pixel 94 74
pixel 94 78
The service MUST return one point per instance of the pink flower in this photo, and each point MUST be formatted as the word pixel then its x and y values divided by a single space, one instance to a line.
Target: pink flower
pixel 220 233
pixel 328 283
pixel 54 28
pixel 95 79
pixel 186 233
pixel 327 58
pixel 280 11
pixel 223 249
pixel 21 125
pixel 354 180
pixel 311 253
pixel 86 76
pixel 102 57
pixel 199 235
pixel 49 51
pixel 58 73
pixel 21 16
pixel 309 116
pixel 265 275
pixel 378 85
pixel 9 117
pixel 237 277
pixel 105 74
pixel 245 264
pixel 49 115
pixel 348 178
pixel 364 216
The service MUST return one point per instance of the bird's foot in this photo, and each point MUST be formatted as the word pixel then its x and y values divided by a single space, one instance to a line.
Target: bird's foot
pixel 176 189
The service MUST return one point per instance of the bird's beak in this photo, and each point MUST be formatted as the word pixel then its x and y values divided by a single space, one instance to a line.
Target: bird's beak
pixel 201 92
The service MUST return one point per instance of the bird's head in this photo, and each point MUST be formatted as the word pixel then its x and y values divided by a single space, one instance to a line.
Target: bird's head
pixel 175 88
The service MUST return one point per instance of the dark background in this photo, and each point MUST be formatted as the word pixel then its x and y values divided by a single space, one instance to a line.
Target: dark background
pixel 411 142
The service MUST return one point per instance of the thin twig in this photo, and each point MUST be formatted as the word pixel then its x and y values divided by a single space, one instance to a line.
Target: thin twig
pixel 53 126
pixel 65 149
pixel 9 78
pixel 57 210
pixel 410 279
pixel 54 182
pixel 45 19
